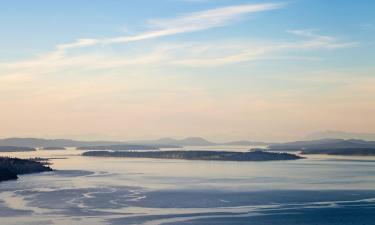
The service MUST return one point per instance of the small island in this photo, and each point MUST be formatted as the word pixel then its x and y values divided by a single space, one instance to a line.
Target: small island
pixel 10 168
pixel 53 148
pixel 199 155
pixel 16 149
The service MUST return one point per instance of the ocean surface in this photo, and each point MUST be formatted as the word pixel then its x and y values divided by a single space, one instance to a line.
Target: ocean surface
pixel 88 190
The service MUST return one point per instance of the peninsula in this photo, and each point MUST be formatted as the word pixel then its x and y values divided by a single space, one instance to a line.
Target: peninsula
pixel 10 168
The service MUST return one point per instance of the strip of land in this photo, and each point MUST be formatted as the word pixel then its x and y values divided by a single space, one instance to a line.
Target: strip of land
pixel 16 149
pixel 342 151
pixel 199 155
pixel 350 147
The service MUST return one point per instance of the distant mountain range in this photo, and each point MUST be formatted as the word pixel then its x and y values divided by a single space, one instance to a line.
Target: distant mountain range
pixel 160 143
pixel 330 134
pixel 39 142
pixel 119 147
pixel 198 141
pixel 190 141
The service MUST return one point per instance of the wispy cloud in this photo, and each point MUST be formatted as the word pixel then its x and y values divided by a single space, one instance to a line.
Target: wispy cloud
pixel 191 22
pixel 214 53
pixel 212 18
pixel 191 54
pixel 321 41
pixel 182 24
pixel 223 53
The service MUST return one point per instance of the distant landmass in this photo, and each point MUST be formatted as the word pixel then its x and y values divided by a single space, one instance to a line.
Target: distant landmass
pixel 40 142
pixel 342 151
pixel 199 155
pixel 198 141
pixel 191 141
pixel 119 147
pixel 330 134
pixel 53 148
pixel 10 168
pixel 335 146
pixel 16 149
pixel 160 143
pixel 329 146
pixel 245 143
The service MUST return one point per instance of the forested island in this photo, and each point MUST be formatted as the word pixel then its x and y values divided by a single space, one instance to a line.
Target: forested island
pixel 10 168
pixel 200 155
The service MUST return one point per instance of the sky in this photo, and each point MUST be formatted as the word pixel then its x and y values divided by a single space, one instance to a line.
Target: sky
pixel 220 69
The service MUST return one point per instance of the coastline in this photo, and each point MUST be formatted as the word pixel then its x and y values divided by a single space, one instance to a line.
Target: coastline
pixel 10 168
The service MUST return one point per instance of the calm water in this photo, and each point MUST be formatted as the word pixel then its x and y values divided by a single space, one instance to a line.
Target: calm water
pixel 85 190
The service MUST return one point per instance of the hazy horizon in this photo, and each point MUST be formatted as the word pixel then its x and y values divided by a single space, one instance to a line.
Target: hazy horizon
pixel 328 134
pixel 222 70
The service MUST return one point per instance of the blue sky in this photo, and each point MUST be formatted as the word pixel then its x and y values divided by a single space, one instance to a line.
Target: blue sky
pixel 224 69
pixel 38 25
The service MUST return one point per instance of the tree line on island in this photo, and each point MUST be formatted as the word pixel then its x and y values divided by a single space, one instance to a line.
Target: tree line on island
pixel 198 155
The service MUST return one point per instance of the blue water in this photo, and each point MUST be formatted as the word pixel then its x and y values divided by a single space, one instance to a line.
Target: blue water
pixel 84 190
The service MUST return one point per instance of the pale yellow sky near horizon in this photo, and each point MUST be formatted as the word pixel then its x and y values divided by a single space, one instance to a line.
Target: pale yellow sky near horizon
pixel 118 108
pixel 217 73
